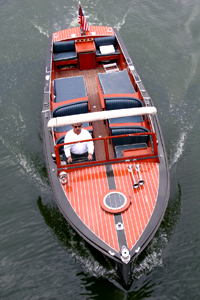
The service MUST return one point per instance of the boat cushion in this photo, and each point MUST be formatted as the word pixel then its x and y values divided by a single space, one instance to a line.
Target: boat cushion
pixel 116 83
pixel 65 46
pixel 120 103
pixel 130 119
pixel 65 56
pixel 69 88
pixel 64 50
pixel 70 109
pixel 105 41
pixel 107 49
pixel 129 139
pixel 98 53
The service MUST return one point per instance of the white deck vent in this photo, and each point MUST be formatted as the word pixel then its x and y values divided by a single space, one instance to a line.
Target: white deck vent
pixel 115 200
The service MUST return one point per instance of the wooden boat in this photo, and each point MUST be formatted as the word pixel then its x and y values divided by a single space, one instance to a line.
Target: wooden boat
pixel 116 201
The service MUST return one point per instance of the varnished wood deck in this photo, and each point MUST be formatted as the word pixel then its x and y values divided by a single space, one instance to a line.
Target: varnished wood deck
pixel 67 33
pixel 86 188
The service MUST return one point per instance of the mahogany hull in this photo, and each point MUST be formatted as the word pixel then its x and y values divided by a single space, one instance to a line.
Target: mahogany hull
pixel 82 199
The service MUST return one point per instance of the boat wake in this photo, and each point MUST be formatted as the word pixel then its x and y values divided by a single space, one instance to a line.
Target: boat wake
pixel 30 163
pixel 78 249
pixel 92 266
pixel 36 171
pixel 40 29
pixel 117 21
pixel 185 115
pixel 153 258
pixel 194 14
pixel 179 149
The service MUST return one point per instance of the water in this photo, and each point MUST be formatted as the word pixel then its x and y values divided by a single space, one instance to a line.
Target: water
pixel 41 257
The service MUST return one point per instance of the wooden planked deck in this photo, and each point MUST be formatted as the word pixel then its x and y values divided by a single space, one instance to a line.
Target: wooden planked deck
pixel 86 187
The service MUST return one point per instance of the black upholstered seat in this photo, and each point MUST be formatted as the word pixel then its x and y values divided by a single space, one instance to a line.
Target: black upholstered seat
pixel 64 51
pixel 69 88
pixel 71 109
pixel 68 110
pixel 122 103
pixel 116 83
pixel 129 142
pixel 106 41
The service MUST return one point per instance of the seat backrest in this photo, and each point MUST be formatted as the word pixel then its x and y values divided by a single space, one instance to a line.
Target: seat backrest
pixel 67 110
pixel 129 139
pixel 105 41
pixel 66 46
pixel 122 103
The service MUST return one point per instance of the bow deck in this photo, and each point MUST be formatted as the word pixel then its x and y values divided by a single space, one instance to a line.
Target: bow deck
pixel 87 187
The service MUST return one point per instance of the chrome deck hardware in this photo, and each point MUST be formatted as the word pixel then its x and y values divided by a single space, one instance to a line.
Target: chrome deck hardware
pixel 119 226
pixel 141 181
pixel 63 177
pixel 130 169
pixel 125 255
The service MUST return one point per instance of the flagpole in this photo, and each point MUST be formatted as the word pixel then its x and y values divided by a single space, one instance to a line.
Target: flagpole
pixel 82 21
pixel 80 12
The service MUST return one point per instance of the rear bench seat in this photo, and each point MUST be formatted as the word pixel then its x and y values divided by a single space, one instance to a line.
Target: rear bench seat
pixel 64 51
pixel 106 41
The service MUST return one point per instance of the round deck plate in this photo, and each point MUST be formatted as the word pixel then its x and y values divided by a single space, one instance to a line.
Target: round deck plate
pixel 115 202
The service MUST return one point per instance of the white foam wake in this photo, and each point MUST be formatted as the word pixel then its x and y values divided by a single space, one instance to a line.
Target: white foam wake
pixel 91 266
pixel 154 257
pixel 192 17
pixel 179 149
pixel 41 30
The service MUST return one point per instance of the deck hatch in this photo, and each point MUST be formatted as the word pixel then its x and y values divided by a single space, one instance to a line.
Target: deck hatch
pixel 115 200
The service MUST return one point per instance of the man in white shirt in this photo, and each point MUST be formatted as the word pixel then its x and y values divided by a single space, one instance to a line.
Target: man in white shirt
pixel 78 150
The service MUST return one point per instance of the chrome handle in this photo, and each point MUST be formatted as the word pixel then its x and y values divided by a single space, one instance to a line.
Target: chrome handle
pixel 141 181
pixel 130 169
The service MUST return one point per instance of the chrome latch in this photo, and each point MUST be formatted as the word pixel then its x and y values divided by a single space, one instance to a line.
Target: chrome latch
pixel 119 226
pixel 125 255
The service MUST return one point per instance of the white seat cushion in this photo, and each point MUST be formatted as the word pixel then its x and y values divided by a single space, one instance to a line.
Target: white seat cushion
pixel 107 49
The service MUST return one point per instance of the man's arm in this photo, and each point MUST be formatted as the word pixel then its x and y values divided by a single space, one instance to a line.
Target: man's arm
pixel 69 159
pixel 90 145
pixel 67 148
